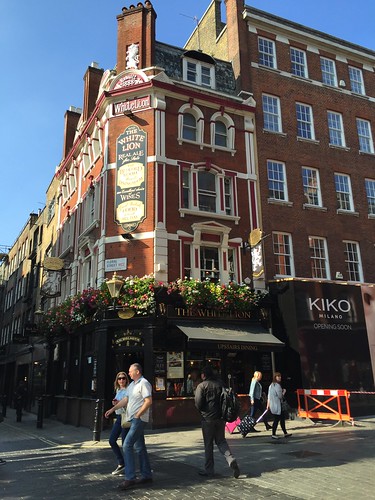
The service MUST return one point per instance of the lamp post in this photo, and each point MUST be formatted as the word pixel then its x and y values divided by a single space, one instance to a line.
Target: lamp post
pixel 114 287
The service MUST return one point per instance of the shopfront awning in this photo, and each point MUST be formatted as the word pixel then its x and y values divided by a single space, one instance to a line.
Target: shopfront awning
pixel 231 336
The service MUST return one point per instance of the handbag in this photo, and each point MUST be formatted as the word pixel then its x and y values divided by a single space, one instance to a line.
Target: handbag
pixel 125 424
pixel 285 408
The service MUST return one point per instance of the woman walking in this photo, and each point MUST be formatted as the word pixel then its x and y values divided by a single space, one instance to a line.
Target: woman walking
pixel 275 396
pixel 120 386
pixel 256 398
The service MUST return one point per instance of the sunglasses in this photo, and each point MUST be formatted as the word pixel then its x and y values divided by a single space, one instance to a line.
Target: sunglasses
pixel 121 378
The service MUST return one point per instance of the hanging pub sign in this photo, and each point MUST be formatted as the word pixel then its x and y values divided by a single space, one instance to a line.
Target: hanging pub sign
pixel 130 190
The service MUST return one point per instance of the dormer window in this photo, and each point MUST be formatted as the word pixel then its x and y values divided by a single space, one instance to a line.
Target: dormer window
pixel 199 69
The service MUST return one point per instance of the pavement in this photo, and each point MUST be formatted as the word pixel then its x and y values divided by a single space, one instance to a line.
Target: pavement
pixel 319 461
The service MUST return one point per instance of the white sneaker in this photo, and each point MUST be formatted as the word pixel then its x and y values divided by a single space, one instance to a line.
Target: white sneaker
pixel 119 469
pixel 287 435
pixel 274 436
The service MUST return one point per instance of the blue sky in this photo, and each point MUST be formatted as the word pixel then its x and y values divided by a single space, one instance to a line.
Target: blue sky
pixel 45 48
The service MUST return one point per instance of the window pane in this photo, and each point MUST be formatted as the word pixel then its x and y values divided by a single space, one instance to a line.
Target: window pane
pixel 276 180
pixel 186 188
pixel 189 129
pixel 191 73
pixel 364 136
pixel 370 192
pixel 266 53
pixel 328 71
pixel 336 136
pixel 220 134
pixel 206 76
pixel 356 80
pixel 298 60
pixel 187 261
pixel 352 261
pixel 209 263
pixel 282 254
pixel 228 195
pixel 271 113
pixel 304 121
pixel 311 187
pixel 207 191
pixel 343 194
pixel 318 258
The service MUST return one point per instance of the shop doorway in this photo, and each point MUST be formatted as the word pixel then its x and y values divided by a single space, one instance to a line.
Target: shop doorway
pixel 123 360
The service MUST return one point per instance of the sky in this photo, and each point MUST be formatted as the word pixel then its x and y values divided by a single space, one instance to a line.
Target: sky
pixel 45 49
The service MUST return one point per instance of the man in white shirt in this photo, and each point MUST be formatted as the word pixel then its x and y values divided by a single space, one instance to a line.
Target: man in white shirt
pixel 137 405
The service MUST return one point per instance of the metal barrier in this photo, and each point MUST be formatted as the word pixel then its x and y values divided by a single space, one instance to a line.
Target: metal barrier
pixel 324 404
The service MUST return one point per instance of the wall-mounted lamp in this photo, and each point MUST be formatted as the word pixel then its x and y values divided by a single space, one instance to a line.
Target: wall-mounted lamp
pixel 114 287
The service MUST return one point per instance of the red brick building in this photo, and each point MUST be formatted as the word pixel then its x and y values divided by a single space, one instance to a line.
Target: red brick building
pixel 314 96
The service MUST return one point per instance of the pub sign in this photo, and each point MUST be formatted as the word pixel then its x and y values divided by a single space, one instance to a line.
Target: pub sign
pixel 130 190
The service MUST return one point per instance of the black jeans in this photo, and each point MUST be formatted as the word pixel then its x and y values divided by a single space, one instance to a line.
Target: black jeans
pixel 214 431
pixel 276 419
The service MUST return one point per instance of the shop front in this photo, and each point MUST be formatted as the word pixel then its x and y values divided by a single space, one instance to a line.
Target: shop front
pixel 234 350
pixel 328 329
pixel 172 348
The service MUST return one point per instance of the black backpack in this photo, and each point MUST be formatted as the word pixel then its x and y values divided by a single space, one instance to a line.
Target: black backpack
pixel 230 405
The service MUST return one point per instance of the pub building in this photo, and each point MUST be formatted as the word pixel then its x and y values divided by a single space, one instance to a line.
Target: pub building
pixel 172 347
pixel 159 177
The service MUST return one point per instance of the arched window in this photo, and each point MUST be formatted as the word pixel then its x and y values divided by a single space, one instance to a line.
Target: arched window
pixel 190 124
pixel 222 131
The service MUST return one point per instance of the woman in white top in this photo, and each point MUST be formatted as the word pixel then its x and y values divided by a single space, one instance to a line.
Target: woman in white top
pixel 275 396
pixel 120 386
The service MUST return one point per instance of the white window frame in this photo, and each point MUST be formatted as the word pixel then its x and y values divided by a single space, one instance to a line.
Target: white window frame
pixel 206 193
pixel 200 76
pixel 199 240
pixel 336 129
pixel 277 178
pixel 366 144
pixel 298 62
pixel 343 190
pixel 353 261
pixel 224 192
pixel 198 115
pixel 356 80
pixel 227 121
pixel 319 258
pixel 328 68
pixel 370 194
pixel 283 251
pixel 267 52
pixel 311 186
pixel 211 269
pixel 271 113
pixel 305 121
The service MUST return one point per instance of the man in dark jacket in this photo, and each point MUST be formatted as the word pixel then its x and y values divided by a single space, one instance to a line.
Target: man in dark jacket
pixel 208 403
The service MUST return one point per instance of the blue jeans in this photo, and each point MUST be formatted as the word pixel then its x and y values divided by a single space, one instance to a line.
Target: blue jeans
pixel 115 434
pixel 135 441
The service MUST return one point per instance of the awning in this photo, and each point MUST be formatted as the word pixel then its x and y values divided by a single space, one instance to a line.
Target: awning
pixel 230 334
